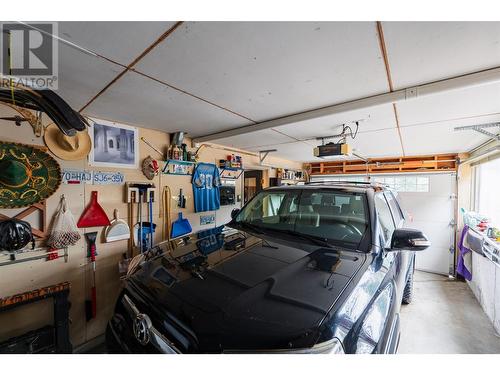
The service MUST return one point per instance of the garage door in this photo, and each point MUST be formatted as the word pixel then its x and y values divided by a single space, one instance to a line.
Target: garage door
pixel 430 201
pixel 431 206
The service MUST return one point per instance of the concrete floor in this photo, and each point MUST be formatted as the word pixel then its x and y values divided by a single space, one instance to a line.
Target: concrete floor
pixel 445 317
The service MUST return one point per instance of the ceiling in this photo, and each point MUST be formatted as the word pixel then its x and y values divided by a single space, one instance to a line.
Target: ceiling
pixel 206 77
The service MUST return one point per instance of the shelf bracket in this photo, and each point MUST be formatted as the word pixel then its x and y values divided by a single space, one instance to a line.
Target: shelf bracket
pixel 263 154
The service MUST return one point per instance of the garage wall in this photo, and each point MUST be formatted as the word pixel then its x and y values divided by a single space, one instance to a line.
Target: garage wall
pixel 464 181
pixel 486 288
pixel 18 278
pixel 485 274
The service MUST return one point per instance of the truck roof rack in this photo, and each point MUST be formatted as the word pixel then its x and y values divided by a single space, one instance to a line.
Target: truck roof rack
pixel 360 183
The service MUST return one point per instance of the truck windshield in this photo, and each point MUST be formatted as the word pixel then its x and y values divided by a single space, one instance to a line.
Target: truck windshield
pixel 337 217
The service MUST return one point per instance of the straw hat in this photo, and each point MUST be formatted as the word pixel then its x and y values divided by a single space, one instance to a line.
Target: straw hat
pixel 65 147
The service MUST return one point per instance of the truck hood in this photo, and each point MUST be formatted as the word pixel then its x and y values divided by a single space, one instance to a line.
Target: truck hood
pixel 233 290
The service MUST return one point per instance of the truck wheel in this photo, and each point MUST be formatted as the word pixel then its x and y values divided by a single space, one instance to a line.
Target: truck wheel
pixel 408 292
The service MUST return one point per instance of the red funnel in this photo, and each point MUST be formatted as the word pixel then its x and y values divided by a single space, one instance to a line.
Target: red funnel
pixel 94 215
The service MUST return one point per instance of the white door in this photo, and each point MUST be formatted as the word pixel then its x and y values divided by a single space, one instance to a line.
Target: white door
pixel 433 212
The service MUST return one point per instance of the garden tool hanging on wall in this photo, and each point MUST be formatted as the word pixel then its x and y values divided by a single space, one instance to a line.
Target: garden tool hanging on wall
pixel 143 193
pixel 91 304
pixel 181 200
pixel 181 226
pixel 152 225
pixel 94 215
pixel 118 230
pixel 167 224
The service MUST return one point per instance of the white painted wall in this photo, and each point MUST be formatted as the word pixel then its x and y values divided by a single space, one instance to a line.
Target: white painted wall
pixel 485 285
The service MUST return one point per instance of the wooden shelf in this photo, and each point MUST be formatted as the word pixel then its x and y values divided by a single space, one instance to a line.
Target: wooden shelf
pixel 416 164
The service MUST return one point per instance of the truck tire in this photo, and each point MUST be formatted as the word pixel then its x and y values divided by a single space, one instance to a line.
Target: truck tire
pixel 408 292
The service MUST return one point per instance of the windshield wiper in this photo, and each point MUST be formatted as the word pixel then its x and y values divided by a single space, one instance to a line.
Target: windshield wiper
pixel 250 226
pixel 259 230
pixel 313 239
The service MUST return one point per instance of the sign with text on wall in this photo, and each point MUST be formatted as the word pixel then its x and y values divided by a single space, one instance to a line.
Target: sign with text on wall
pixel 207 219
pixel 80 176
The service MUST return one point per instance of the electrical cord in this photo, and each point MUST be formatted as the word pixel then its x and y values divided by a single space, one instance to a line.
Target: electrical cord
pixel 347 131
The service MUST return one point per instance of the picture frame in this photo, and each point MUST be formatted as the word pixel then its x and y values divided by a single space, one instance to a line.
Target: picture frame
pixel 108 140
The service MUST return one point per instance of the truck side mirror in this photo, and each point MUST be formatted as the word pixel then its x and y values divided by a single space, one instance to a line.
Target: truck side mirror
pixel 409 239
pixel 235 213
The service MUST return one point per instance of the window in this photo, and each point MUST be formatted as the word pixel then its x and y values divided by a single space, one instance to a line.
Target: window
pixel 488 181
pixel 357 178
pixel 384 218
pixel 335 216
pixel 407 184
pixel 395 209
pixel 402 183
pixel 273 203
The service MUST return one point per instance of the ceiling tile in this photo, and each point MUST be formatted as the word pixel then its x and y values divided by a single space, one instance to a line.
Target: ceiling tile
pixel 421 52
pixel 81 76
pixel 260 138
pixel 370 119
pixel 269 69
pixel 143 102
pixel 378 143
pixel 119 41
pixel 296 151
pixel 439 139
pixel 474 101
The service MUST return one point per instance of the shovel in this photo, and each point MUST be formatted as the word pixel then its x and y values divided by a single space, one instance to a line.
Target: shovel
pixel 91 305
pixel 181 227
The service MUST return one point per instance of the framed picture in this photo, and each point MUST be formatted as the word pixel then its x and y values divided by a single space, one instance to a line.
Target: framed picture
pixel 114 145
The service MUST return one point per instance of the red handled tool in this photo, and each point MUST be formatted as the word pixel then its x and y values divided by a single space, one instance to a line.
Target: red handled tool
pixel 91 305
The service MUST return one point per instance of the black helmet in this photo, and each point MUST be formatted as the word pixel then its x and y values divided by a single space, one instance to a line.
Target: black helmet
pixel 15 234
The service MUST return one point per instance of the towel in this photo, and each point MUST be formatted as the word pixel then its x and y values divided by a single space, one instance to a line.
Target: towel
pixel 464 252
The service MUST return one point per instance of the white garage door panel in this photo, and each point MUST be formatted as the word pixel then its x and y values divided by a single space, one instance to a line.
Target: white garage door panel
pixel 432 213
pixel 436 258
pixel 437 211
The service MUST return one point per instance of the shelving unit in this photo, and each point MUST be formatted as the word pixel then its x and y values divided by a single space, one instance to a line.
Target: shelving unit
pixel 230 169
pixel 431 163
pixel 173 163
